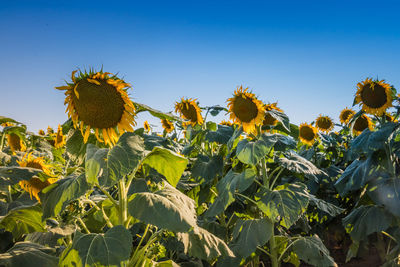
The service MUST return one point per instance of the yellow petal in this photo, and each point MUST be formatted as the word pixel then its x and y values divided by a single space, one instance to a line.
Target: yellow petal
pixel 93 81
pixel 87 133
pixel 62 87
pixel 76 91
pixel 73 75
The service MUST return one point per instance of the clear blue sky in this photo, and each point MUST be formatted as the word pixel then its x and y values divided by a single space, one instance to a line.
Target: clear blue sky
pixel 307 55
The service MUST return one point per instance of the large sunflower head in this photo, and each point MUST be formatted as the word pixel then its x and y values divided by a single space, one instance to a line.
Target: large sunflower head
pixel 324 123
pixel 346 115
pixel 167 125
pixel 375 96
pixel 268 118
pixel 189 110
pixel 246 109
pixel 99 101
pixel 361 123
pixel 307 133
pixel 15 142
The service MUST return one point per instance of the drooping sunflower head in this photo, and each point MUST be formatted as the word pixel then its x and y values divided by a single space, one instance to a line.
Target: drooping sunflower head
pixel 189 110
pixel 346 115
pixel 15 142
pixel 246 109
pixel 41 132
pixel 324 123
pixel 59 140
pixel 226 123
pixel 167 125
pixel 361 123
pixel 375 96
pixel 307 133
pixel 268 118
pixel 146 126
pixel 99 101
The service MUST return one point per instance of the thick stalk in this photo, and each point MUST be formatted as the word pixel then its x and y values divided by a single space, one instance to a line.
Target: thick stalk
pixel 264 173
pixel 272 248
pixel 123 203
pixel 2 141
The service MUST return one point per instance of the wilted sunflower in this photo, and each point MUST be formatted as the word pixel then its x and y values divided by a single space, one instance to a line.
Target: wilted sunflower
pixel 146 126
pixel 268 118
pixel 246 109
pixel 99 101
pixel 361 123
pixel 226 123
pixel 167 125
pixel 307 133
pixel 374 96
pixel 189 110
pixel 59 140
pixel 324 123
pixel 15 142
pixel 35 185
pixel 346 115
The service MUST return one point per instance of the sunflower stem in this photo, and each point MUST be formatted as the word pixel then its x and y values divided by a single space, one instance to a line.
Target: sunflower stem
pixel 273 248
pixel 2 142
pixel 264 172
pixel 9 196
pixel 83 225
pixel 123 203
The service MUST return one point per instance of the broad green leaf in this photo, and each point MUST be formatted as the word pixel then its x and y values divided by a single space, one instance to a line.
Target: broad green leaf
pixel 281 117
pixel 5 119
pixel 200 243
pixel 23 220
pixel 108 249
pixel 366 220
pixel 251 152
pixel 294 130
pixel 125 156
pixel 56 196
pixel 167 163
pixel 284 142
pixel 207 168
pixel 156 113
pixel 233 141
pixel 311 250
pixel 386 192
pixel 4 158
pixel 75 147
pixel 96 165
pixel 29 254
pixel 221 135
pixel 285 203
pixel 12 175
pixel 327 207
pixel 248 234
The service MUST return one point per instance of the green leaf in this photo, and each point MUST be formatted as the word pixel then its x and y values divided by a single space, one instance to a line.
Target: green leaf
pixel 125 156
pixel 386 192
pixel 96 166
pixel 221 135
pixel 200 243
pixel 248 234
pixel 23 220
pixel 250 152
pixel 75 147
pixel 29 254
pixel 167 163
pixel 156 113
pixel 108 249
pixel 281 117
pixel 12 175
pixel 327 207
pixel 366 220
pixel 311 250
pixel 207 168
pixel 285 203
pixel 5 119
pixel 56 196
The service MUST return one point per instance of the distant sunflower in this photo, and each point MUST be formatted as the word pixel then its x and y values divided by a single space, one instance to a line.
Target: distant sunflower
pixel 59 138
pixel 361 123
pixel 388 117
pixel 307 133
pixel 167 125
pixel 146 126
pixel 189 110
pixel 374 96
pixel 41 132
pixel 246 109
pixel 324 123
pixel 226 123
pixel 50 130
pixel 346 115
pixel 268 118
pixel 15 142
pixel 99 101
pixel 35 185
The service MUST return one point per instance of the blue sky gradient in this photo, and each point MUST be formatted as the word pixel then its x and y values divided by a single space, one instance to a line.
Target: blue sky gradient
pixel 307 55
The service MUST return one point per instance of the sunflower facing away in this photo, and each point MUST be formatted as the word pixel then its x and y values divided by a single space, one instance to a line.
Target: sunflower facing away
pixel 268 118
pixel 35 185
pixel 167 125
pixel 346 115
pixel 59 140
pixel 246 109
pixel 15 142
pixel 307 133
pixel 324 123
pixel 99 101
pixel 361 123
pixel 189 110
pixel 374 96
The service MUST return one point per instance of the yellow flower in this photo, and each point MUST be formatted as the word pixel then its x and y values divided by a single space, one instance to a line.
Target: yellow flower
pixel 99 101
pixel 35 185
pixel 146 126
pixel 374 96
pixel 324 123
pixel 226 123
pixel 15 142
pixel 50 130
pixel 268 118
pixel 59 138
pixel 41 132
pixel 361 123
pixel 346 115
pixel 307 133
pixel 246 109
pixel 189 110
pixel 167 125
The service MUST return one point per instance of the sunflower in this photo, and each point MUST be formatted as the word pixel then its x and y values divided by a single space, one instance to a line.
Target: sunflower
pixel 388 117
pixel 59 138
pixel 41 132
pixel 246 109
pixel 346 115
pixel 35 185
pixel 374 96
pixel 50 130
pixel 268 118
pixel 189 110
pixel 307 133
pixel 99 101
pixel 167 125
pixel 324 123
pixel 146 126
pixel 15 142
pixel 226 123
pixel 361 123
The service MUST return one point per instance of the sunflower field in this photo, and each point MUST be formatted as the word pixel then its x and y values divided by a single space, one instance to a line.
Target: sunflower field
pixel 255 190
